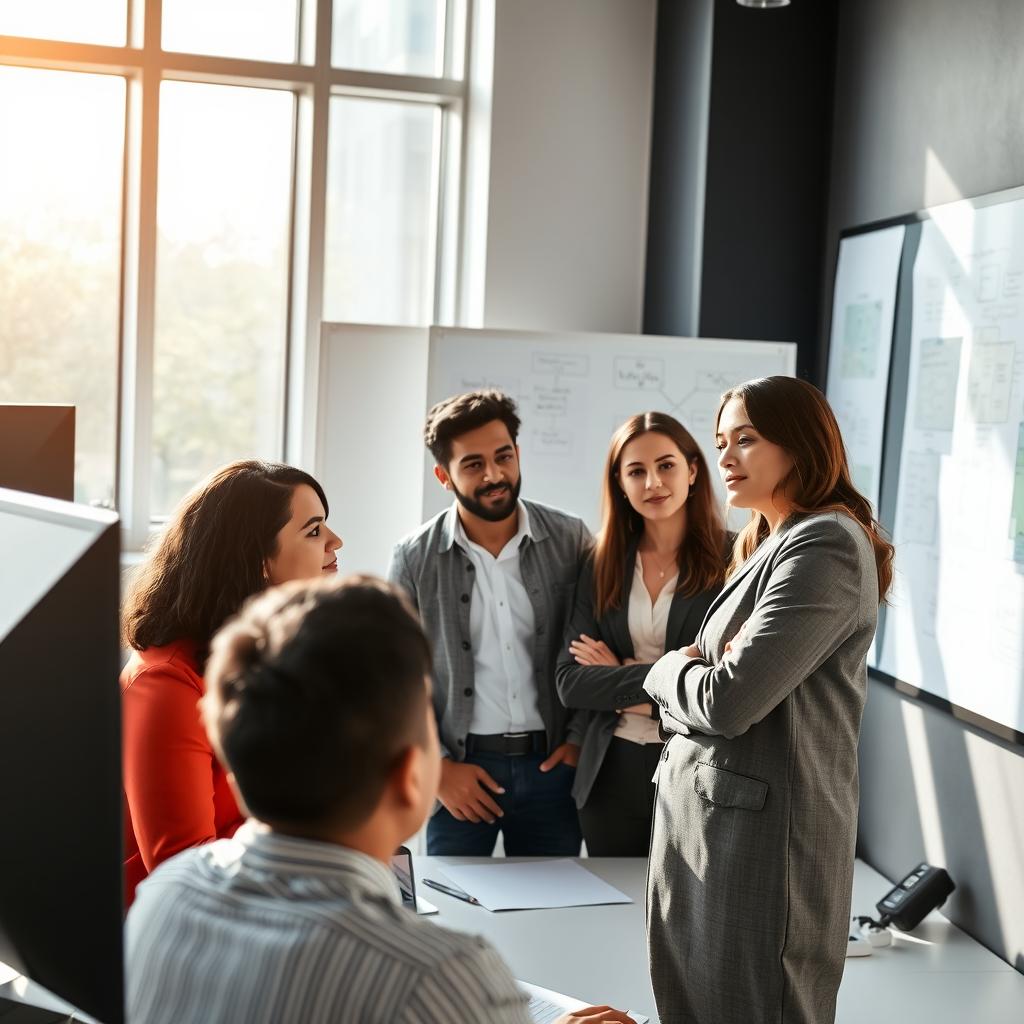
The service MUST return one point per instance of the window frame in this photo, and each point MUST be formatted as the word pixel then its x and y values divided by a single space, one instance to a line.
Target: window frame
pixel 313 82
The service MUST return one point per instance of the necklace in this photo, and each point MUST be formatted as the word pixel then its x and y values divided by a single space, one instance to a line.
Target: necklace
pixel 659 566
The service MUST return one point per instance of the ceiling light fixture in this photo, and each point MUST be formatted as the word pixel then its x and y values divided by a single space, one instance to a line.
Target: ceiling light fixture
pixel 763 4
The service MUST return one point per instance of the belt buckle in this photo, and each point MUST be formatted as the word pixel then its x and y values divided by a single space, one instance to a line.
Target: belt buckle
pixel 511 737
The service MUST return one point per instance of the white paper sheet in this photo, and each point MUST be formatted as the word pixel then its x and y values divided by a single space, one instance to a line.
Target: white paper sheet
pixel 547 1006
pixel 533 885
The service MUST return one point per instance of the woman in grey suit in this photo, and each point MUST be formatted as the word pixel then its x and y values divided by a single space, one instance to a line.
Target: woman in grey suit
pixel 756 811
pixel 658 563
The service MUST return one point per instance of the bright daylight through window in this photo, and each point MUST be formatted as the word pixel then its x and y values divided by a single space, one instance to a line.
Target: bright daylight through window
pixel 188 187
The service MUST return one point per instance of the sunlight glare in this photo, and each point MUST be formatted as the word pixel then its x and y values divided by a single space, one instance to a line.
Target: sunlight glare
pixel 73 21
pixel 924 783
pixel 249 29
pixel 220 158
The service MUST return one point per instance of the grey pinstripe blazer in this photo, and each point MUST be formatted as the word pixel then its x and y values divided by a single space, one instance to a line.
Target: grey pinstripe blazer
pixel 755 823
pixel 438 576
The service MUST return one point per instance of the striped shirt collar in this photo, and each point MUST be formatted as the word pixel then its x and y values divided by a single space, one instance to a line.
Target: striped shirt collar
pixel 293 858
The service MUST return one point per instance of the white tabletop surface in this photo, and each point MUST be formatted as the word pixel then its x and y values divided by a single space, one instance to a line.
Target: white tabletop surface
pixel 936 974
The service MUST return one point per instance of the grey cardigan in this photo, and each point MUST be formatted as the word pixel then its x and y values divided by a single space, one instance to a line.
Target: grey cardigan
pixel 602 689
pixel 756 814
pixel 437 575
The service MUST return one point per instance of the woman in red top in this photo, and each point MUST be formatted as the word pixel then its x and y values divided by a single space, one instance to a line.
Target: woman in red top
pixel 249 526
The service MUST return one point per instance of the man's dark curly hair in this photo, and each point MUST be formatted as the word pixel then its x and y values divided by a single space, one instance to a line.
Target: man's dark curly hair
pixel 462 413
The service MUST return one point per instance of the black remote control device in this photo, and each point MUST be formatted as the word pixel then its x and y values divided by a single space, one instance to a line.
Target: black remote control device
pixel 916 896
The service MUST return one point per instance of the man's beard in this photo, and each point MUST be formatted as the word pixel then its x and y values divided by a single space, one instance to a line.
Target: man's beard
pixel 495 513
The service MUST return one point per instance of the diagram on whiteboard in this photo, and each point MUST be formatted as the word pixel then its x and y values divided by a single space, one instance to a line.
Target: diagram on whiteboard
pixel 863 309
pixel 574 390
pixel 990 382
pixel 953 627
pixel 862 338
pixel 938 371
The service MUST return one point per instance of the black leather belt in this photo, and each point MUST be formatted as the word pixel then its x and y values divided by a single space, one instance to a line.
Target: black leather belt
pixel 511 744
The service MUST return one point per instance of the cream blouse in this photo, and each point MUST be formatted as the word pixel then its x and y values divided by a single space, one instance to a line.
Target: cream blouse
pixel 648 623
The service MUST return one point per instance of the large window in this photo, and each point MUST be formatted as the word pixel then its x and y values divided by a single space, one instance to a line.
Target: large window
pixel 405 37
pixel 221 281
pixel 188 187
pixel 381 207
pixel 60 255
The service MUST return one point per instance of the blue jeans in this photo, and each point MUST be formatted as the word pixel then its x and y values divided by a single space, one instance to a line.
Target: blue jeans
pixel 539 820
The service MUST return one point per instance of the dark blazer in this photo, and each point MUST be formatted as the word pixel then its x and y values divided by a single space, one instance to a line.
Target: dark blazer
pixel 601 689
pixel 438 577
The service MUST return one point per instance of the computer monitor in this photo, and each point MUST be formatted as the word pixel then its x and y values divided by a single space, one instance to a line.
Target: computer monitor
pixel 61 841
pixel 37 449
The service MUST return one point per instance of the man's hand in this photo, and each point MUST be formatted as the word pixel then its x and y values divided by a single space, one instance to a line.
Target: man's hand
pixel 588 651
pixel 693 651
pixel 463 793
pixel 594 1014
pixel 568 753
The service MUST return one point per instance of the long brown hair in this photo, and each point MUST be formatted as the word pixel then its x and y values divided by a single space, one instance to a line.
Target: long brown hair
pixel 796 416
pixel 211 556
pixel 700 556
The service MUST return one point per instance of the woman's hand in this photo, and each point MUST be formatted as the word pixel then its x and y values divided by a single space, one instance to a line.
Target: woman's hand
pixel 636 709
pixel 595 1014
pixel 737 639
pixel 588 651
pixel 693 651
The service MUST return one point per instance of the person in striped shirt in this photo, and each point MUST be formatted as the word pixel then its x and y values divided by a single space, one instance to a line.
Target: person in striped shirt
pixel 318 705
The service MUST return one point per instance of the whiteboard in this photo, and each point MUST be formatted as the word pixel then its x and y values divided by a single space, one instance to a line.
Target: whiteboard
pixel 376 384
pixel 863 308
pixel 574 390
pixel 955 627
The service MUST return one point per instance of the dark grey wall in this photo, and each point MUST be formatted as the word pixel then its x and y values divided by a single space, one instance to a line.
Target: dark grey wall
pixel 675 222
pixel 929 97
pixel 739 171
pixel 767 173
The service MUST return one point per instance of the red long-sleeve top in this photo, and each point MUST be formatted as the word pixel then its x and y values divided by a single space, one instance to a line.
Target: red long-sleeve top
pixel 176 793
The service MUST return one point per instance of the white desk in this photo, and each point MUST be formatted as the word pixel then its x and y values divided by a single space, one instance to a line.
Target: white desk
pixel 938 974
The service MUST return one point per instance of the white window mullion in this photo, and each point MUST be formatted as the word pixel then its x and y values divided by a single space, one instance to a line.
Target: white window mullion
pixel 449 169
pixel 475 162
pixel 312 114
pixel 139 307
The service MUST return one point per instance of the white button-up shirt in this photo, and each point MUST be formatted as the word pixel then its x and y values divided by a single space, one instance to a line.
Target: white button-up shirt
pixel 501 629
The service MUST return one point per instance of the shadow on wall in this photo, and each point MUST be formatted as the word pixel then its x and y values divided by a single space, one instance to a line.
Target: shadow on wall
pixel 931 790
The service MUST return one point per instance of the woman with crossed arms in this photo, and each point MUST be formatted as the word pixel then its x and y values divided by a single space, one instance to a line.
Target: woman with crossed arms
pixel 752 853
pixel 658 563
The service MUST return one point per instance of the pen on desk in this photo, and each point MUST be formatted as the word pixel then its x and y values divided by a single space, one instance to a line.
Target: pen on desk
pixel 448 890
